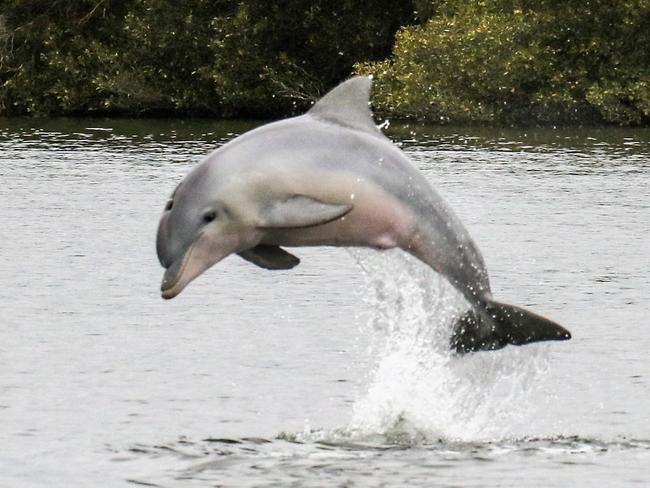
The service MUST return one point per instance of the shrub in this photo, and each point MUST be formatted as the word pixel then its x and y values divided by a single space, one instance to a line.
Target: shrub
pixel 221 57
pixel 520 62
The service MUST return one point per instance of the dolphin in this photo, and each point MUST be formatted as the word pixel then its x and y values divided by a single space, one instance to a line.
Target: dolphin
pixel 331 178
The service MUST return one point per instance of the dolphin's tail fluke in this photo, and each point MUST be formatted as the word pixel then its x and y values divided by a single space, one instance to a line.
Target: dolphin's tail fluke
pixel 493 325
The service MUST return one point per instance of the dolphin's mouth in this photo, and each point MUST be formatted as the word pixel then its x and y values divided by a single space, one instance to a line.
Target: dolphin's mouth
pixel 203 253
pixel 172 283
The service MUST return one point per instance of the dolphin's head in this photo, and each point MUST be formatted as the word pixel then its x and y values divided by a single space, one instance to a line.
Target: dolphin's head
pixel 199 227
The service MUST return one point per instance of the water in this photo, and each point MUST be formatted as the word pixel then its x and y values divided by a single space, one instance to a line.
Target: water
pixel 334 373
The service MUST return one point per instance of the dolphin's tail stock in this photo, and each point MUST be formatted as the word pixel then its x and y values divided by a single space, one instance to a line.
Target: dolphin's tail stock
pixel 493 325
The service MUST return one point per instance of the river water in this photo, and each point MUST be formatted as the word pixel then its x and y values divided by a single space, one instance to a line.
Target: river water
pixel 334 373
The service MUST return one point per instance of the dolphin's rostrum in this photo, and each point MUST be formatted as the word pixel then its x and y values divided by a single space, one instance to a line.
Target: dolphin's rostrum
pixel 331 178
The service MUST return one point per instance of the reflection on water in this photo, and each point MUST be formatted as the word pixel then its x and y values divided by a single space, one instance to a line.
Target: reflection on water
pixel 342 354
pixel 325 461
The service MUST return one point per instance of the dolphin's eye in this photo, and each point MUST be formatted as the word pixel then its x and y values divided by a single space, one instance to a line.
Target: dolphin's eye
pixel 209 216
pixel 169 205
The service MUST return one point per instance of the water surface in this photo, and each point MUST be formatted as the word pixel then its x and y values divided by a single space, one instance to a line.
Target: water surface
pixel 334 373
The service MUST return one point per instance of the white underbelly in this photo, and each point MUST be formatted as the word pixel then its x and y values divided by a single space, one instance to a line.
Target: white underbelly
pixel 377 219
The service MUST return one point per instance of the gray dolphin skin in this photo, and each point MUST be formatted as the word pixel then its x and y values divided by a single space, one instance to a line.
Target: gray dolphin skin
pixel 331 178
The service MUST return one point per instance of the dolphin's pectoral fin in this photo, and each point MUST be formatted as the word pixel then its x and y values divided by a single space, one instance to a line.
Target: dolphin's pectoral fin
pixel 496 325
pixel 270 257
pixel 301 211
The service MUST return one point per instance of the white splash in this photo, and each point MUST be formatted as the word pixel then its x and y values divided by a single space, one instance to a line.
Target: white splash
pixel 420 391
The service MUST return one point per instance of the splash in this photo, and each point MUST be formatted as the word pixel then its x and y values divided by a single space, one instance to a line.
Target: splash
pixel 420 391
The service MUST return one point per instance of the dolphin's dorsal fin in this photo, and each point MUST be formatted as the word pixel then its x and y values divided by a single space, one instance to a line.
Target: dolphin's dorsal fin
pixel 348 104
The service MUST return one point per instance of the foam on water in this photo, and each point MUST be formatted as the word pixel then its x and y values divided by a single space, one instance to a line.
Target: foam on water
pixel 420 391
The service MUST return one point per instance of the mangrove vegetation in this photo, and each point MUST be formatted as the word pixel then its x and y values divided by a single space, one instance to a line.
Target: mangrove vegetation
pixel 440 61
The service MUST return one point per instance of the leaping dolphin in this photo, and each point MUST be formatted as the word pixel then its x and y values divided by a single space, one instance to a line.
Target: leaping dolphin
pixel 331 178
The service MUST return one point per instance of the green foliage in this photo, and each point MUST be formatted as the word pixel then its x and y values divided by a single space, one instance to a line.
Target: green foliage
pixel 221 57
pixel 453 61
pixel 509 61
pixel 43 67
pixel 293 51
